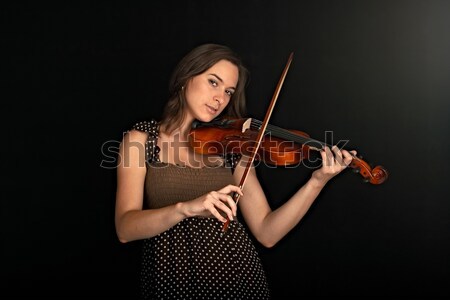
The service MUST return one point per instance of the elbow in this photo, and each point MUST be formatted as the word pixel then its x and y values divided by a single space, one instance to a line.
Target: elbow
pixel 266 238
pixel 126 230
pixel 268 245
pixel 122 240
pixel 122 237
pixel 267 242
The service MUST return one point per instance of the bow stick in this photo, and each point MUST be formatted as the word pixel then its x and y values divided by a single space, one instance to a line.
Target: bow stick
pixel 262 130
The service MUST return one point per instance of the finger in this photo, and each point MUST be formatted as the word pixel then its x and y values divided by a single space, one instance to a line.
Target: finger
pixel 231 188
pixel 218 200
pixel 232 204
pixel 323 154
pixel 348 157
pixel 327 156
pixel 338 154
pixel 346 153
pixel 229 209
pixel 212 209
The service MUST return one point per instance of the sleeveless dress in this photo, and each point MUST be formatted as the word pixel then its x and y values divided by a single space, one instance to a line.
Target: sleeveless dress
pixel 194 259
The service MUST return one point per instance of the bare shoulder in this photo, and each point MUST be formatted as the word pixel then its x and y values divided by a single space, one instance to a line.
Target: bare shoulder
pixel 132 149
pixel 133 142
pixel 135 136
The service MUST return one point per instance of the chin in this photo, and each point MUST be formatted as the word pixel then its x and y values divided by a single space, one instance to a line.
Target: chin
pixel 206 119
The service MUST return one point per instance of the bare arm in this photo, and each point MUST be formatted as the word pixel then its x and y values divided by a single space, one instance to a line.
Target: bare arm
pixel 271 226
pixel 134 223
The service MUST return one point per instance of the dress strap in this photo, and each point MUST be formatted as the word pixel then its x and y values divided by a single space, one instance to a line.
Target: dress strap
pixel 151 146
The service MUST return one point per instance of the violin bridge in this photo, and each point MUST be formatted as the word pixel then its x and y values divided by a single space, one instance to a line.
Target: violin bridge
pixel 246 125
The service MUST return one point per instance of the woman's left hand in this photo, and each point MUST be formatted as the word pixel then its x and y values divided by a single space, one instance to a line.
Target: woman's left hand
pixel 334 161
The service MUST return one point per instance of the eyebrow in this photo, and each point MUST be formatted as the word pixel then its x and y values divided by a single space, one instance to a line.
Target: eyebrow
pixel 221 80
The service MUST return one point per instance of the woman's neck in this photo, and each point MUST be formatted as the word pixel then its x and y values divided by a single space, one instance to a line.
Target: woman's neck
pixel 181 132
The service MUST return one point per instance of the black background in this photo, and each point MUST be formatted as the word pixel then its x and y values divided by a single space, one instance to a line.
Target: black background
pixel 376 73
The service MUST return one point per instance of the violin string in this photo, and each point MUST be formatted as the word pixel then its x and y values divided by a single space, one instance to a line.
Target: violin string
pixel 282 133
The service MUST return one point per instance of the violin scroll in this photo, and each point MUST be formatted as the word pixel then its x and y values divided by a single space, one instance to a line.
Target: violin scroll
pixel 376 175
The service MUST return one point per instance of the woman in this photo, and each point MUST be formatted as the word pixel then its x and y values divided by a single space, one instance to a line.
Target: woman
pixel 176 200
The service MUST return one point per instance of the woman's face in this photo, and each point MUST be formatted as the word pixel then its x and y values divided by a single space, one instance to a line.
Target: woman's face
pixel 209 93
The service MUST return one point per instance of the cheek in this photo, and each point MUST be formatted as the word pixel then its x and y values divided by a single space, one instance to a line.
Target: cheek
pixel 198 90
pixel 190 92
pixel 226 104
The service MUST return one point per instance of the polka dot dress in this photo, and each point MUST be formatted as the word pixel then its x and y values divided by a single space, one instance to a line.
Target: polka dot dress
pixel 194 259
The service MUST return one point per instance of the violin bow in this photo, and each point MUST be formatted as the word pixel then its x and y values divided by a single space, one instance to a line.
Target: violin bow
pixel 260 136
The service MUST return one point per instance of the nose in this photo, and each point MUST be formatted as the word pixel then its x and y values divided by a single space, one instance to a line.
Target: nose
pixel 219 99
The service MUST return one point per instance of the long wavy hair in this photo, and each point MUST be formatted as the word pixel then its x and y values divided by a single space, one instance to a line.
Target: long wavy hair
pixel 194 63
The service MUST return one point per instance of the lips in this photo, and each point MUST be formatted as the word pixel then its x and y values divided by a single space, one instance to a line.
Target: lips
pixel 212 110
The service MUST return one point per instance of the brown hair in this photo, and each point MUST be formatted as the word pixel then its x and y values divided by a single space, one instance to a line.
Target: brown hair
pixel 194 63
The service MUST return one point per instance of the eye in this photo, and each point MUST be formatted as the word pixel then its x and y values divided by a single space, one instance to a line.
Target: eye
pixel 212 82
pixel 229 93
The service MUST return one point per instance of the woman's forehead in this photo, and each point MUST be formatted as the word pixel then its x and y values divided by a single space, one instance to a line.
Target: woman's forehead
pixel 226 71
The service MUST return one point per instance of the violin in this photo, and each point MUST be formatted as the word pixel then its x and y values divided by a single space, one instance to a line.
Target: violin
pixel 260 140
pixel 278 147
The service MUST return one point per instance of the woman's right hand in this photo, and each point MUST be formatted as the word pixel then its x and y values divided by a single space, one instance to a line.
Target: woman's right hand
pixel 213 202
